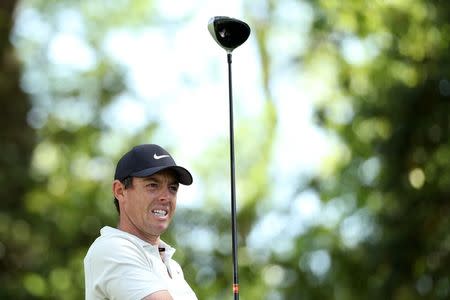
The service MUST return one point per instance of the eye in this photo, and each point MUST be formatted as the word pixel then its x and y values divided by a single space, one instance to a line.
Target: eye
pixel 152 185
pixel 174 187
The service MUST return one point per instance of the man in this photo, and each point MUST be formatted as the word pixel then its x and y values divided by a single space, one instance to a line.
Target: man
pixel 131 261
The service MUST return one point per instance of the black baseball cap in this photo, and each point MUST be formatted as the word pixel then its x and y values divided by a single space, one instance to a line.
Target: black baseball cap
pixel 148 159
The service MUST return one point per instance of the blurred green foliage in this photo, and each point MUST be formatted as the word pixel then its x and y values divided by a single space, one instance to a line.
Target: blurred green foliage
pixel 383 69
pixel 390 109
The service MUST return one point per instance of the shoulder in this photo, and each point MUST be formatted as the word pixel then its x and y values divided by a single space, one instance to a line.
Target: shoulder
pixel 121 266
pixel 114 245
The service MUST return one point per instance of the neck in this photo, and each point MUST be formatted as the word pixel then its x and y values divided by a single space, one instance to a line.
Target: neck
pixel 152 239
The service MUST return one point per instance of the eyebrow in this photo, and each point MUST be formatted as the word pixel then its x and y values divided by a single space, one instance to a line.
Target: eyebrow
pixel 154 178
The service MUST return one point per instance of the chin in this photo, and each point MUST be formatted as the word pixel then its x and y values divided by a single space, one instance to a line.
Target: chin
pixel 161 228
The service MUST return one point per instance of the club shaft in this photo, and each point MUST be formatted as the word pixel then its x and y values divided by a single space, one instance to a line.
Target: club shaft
pixel 233 186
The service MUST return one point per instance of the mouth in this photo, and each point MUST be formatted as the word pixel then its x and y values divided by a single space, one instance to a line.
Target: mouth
pixel 161 213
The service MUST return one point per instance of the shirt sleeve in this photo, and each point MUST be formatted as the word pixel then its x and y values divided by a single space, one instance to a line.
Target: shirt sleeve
pixel 122 271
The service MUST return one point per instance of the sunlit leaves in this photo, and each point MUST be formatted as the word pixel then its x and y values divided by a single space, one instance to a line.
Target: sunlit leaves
pixel 394 135
pixel 373 223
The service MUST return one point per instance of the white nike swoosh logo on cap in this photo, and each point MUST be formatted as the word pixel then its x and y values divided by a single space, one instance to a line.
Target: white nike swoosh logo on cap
pixel 159 156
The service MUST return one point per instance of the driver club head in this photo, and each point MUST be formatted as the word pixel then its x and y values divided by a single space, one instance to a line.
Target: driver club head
pixel 228 32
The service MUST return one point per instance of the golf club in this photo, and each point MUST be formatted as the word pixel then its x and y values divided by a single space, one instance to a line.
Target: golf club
pixel 230 33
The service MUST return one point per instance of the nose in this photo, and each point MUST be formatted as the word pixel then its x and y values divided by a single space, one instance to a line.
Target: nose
pixel 165 194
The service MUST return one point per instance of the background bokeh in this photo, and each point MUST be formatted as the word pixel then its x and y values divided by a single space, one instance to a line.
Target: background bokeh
pixel 342 123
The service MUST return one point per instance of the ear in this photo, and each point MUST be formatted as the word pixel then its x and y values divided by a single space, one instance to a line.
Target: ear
pixel 118 190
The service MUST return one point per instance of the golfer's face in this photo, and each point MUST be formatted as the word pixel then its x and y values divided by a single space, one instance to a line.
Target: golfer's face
pixel 150 204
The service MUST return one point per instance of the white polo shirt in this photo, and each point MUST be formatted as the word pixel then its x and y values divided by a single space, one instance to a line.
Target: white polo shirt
pixel 120 266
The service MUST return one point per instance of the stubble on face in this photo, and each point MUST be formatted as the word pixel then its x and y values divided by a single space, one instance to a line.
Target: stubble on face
pixel 148 206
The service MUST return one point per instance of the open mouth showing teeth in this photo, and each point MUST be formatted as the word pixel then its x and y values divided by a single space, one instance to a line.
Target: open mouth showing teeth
pixel 159 212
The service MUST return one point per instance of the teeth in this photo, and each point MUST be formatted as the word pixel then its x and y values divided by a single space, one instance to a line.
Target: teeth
pixel 159 212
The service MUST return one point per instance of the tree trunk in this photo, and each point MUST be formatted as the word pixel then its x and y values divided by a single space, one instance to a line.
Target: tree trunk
pixel 17 140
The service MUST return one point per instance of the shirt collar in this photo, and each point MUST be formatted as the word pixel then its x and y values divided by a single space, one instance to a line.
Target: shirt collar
pixel 110 231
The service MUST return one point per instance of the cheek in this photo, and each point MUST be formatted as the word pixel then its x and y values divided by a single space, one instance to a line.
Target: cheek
pixel 174 204
pixel 135 201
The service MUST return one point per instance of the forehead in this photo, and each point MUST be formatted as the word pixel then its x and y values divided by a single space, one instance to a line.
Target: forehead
pixel 168 174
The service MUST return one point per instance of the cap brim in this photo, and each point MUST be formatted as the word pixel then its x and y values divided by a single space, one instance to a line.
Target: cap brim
pixel 184 177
